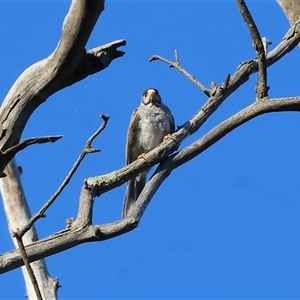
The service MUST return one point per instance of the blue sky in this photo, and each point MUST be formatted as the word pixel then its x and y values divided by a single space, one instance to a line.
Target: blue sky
pixel 226 224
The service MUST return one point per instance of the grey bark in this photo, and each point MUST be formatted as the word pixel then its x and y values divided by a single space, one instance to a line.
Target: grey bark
pixel 68 64
pixel 291 8
pixel 18 214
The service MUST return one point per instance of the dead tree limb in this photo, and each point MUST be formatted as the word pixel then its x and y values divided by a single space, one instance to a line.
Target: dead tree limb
pixel 291 8
pixel 82 229
pixel 68 63
pixel 18 213
pixel 261 86
pixel 86 150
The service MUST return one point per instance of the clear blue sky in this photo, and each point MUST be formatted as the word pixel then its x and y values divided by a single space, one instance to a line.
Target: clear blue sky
pixel 225 225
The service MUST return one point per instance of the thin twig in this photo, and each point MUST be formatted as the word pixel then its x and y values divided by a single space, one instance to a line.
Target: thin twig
pixel 27 266
pixel 261 86
pixel 9 153
pixel 179 68
pixel 98 131
pixel 31 141
pixel 266 44
pixel 177 57
pixel 86 150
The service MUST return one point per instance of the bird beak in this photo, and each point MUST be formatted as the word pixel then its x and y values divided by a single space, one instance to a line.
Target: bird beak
pixel 151 92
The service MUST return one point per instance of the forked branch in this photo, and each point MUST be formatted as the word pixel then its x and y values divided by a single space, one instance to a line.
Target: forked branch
pixel 69 63
pixel 261 86
pixel 86 150
pixel 176 64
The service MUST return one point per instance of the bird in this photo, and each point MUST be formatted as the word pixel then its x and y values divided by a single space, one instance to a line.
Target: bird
pixel 150 123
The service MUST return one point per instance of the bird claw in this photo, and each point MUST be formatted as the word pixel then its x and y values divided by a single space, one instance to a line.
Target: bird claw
pixel 167 137
pixel 141 155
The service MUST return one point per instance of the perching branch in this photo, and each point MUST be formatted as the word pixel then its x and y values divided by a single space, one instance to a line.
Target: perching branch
pixel 176 160
pixel 241 117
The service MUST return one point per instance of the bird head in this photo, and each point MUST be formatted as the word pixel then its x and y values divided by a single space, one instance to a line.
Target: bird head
pixel 151 97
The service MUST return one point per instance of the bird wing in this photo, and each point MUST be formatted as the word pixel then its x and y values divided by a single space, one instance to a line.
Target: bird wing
pixel 172 121
pixel 131 151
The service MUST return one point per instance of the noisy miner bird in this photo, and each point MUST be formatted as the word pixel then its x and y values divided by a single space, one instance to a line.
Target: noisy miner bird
pixel 149 124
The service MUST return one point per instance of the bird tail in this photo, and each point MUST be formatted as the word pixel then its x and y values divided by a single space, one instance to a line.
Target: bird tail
pixel 134 188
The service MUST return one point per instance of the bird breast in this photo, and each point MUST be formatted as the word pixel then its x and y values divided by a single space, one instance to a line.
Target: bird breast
pixel 154 125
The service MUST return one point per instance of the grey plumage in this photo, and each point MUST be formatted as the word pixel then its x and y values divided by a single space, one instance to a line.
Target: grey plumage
pixel 149 123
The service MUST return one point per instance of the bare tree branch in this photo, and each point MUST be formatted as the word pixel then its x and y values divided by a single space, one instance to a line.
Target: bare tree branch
pixel 261 86
pixel 86 150
pixel 104 183
pixel 266 44
pixel 82 230
pixel 68 64
pixel 176 160
pixel 178 67
pixel 18 213
pixel 291 8
pixel 8 154
pixel 28 267
pixel 243 116
pixel 99 58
